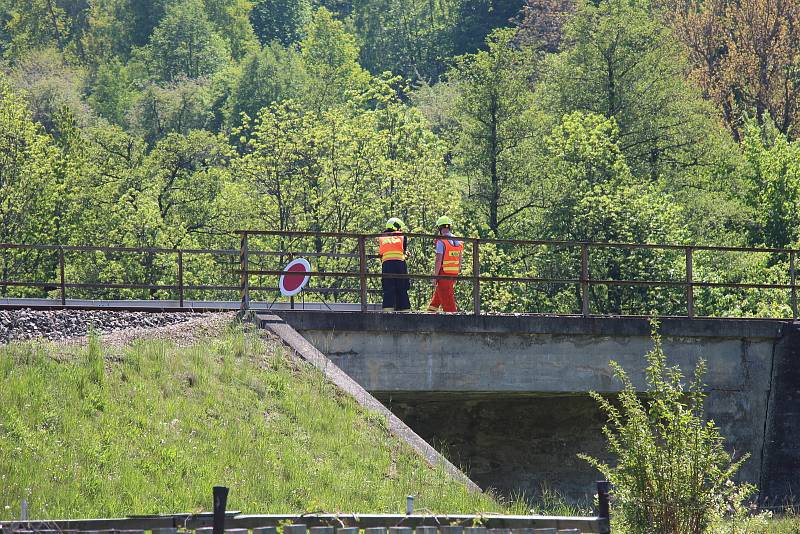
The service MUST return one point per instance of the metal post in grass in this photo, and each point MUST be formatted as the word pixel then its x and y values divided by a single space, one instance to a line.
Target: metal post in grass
pixel 220 503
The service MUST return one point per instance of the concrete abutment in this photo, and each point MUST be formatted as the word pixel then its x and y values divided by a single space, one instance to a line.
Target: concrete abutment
pixel 507 396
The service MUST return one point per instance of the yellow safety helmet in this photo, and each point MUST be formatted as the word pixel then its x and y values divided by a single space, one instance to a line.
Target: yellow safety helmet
pixel 444 220
pixel 395 224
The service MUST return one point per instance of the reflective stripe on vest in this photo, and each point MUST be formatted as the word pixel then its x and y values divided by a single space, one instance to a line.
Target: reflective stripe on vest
pixel 451 261
pixel 391 247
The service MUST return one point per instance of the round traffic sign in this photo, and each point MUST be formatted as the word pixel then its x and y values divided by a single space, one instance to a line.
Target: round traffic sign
pixel 295 277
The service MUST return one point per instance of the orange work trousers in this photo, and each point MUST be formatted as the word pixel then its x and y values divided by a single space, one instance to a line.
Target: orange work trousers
pixel 444 296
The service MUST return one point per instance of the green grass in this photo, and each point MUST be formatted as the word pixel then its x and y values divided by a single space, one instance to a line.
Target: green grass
pixel 90 432
pixel 762 524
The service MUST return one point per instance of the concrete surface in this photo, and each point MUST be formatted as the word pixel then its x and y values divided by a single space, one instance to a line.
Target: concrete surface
pixel 507 394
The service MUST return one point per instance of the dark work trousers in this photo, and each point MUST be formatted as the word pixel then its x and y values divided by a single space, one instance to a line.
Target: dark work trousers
pixel 395 290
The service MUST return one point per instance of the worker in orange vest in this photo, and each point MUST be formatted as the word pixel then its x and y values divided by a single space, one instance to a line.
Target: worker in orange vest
pixel 392 250
pixel 448 263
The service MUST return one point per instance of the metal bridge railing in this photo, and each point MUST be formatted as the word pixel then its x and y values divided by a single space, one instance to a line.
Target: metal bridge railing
pixel 584 282
pixel 178 286
pixel 346 265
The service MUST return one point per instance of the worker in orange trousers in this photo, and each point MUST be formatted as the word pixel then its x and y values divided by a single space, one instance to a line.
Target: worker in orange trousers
pixel 448 263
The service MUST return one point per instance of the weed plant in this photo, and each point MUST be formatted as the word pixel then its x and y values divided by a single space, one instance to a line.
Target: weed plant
pixel 672 473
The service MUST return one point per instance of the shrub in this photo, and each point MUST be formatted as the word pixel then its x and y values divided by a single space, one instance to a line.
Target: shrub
pixel 672 473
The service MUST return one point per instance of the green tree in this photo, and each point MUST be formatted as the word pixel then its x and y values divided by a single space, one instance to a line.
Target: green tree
pixel 497 121
pixel 408 37
pixel 111 34
pixel 330 55
pixel 179 107
pixel 112 93
pixel 621 62
pixel 476 19
pixel 146 15
pixel 231 20
pixel 184 44
pixel 35 24
pixel 270 75
pixel 29 190
pixel 49 85
pixel 773 174
pixel 593 196
pixel 285 21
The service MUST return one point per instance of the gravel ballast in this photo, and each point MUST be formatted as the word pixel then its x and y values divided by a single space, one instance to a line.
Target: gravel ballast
pixel 57 325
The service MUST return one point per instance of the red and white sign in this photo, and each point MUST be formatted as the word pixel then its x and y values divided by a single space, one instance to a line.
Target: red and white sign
pixel 295 278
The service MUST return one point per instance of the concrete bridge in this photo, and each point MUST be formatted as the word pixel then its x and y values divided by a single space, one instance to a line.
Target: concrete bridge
pixel 506 396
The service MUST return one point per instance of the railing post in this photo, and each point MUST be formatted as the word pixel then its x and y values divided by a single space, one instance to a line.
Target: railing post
pixel 793 278
pixel 603 501
pixel 689 282
pixel 362 271
pixel 220 504
pixel 244 266
pixel 180 277
pixel 476 278
pixel 61 262
pixel 585 279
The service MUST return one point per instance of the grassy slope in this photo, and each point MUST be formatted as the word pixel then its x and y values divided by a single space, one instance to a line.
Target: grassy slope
pixel 88 432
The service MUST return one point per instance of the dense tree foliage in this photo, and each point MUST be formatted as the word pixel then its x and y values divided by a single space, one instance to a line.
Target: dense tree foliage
pixel 170 123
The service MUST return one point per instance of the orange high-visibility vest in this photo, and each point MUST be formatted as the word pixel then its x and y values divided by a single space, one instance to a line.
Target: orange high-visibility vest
pixel 391 247
pixel 451 261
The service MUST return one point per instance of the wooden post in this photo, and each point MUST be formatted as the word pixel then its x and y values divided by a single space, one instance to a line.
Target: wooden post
pixel 61 262
pixel 689 285
pixel 294 529
pixel 425 530
pixel 269 530
pixel 793 278
pixel 320 530
pixel 180 277
pixel 603 500
pixel 244 283
pixel 476 278
pixel 220 503
pixel 585 279
pixel 362 271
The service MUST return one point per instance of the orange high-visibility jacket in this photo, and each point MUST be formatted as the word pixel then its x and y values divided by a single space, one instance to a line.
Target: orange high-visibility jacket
pixel 451 261
pixel 391 247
